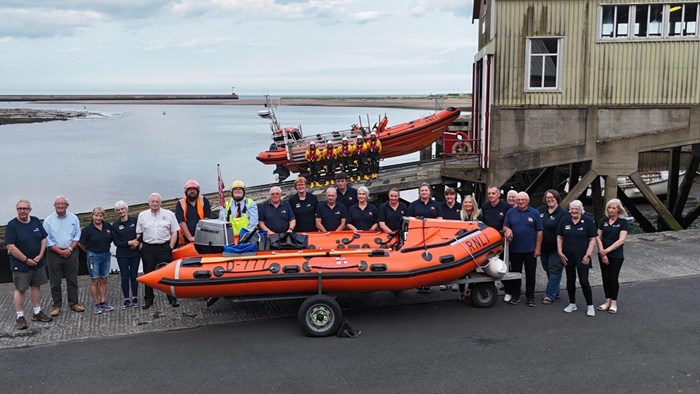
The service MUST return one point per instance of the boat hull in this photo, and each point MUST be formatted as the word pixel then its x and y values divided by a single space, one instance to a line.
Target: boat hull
pixel 434 251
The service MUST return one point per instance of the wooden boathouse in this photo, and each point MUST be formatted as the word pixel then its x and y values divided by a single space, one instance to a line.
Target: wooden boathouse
pixel 588 91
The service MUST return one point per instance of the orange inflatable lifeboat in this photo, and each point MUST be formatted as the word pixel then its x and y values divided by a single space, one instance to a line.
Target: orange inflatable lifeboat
pixel 428 251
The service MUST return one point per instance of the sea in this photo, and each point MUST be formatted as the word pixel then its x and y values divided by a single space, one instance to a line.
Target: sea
pixel 127 151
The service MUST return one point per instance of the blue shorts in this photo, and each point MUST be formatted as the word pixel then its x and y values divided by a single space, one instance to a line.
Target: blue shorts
pixel 98 264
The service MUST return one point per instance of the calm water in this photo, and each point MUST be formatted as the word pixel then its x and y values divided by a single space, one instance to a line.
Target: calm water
pixel 129 151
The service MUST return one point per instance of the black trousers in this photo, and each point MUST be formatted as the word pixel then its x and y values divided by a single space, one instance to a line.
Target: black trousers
pixel 151 256
pixel 517 262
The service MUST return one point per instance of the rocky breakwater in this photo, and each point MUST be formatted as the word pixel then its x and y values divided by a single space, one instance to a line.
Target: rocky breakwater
pixel 25 115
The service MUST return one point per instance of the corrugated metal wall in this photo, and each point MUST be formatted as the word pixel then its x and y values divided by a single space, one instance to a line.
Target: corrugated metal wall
pixel 595 72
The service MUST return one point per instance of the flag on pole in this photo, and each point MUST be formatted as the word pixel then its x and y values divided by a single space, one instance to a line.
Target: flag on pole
pixel 222 186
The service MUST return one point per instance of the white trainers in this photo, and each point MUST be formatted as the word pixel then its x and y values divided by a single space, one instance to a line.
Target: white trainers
pixel 570 308
pixel 507 298
pixel 591 311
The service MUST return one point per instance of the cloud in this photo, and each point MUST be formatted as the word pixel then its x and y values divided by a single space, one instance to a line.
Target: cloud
pixel 32 23
pixel 459 8
pixel 365 16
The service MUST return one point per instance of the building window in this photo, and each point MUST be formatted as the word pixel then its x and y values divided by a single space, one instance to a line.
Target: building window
pixel 615 21
pixel 683 19
pixel 649 21
pixel 543 65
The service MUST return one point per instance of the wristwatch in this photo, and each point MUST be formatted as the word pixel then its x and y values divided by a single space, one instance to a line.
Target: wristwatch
pixel 71 249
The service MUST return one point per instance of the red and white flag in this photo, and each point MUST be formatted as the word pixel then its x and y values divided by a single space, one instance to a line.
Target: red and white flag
pixel 222 186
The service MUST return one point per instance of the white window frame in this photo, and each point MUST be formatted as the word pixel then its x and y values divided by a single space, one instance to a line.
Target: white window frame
pixel 560 61
pixel 665 22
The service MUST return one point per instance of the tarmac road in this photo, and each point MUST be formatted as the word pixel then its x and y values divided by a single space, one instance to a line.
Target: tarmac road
pixel 650 346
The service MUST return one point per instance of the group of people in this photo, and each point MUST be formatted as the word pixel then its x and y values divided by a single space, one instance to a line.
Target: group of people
pixel 36 248
pixel 564 241
pixel 359 160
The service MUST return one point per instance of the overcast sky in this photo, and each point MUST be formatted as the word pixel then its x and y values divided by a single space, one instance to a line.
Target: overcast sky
pixel 258 46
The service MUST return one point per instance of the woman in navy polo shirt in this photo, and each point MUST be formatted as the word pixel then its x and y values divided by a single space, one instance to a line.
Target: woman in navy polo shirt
pixel 575 242
pixel 424 206
pixel 363 215
pixel 612 232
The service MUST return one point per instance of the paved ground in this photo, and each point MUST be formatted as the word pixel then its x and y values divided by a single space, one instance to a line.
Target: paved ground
pixel 648 257
pixel 650 346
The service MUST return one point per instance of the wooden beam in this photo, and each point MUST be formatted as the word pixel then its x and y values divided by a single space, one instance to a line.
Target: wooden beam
pixel 687 184
pixel 673 170
pixel 644 223
pixel 658 206
pixel 691 216
pixel 580 188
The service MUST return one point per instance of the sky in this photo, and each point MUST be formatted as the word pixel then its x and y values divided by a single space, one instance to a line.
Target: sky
pixel 313 47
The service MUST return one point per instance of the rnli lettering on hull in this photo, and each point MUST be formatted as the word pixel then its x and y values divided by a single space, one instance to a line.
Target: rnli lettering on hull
pixel 477 242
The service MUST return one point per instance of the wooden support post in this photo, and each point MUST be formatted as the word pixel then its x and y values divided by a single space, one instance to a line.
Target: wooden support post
pixel 658 206
pixel 580 188
pixel 691 217
pixel 644 223
pixel 542 182
pixel 686 185
pixel 673 169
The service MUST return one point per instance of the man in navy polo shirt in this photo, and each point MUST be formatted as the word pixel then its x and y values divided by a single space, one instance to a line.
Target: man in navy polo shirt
pixel 330 216
pixel 522 227
pixel 493 212
pixel 347 195
pixel 276 215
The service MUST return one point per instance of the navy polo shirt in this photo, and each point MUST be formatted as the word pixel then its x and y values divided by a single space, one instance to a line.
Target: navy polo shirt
pixel 392 217
pixel 122 233
pixel 27 238
pixel 611 233
pixel 494 216
pixel 96 240
pixel 348 199
pixel 450 213
pixel 363 219
pixel 304 212
pixel 525 226
pixel 276 219
pixel 575 239
pixel 331 217
pixel 550 224
pixel 419 209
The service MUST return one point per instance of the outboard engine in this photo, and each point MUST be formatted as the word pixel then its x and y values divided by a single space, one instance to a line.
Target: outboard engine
pixel 212 235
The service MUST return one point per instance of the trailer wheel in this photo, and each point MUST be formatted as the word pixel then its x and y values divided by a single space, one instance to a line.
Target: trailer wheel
pixel 320 316
pixel 484 295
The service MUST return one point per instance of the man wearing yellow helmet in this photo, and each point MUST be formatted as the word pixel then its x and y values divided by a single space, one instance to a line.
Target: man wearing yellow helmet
pixel 240 211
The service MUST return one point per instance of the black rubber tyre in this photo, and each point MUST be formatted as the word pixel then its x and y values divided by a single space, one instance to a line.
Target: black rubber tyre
pixel 484 295
pixel 320 316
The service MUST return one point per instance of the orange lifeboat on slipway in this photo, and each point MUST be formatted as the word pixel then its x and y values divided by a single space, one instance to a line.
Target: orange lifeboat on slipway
pixel 289 143
pixel 428 251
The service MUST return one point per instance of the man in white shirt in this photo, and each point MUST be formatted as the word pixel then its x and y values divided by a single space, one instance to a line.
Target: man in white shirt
pixel 156 230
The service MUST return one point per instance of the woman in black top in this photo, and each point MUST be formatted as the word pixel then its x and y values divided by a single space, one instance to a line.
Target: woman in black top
pixel 612 232
pixel 124 238
pixel 304 206
pixel 575 242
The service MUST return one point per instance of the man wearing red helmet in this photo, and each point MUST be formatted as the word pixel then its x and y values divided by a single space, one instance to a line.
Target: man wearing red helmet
pixel 190 210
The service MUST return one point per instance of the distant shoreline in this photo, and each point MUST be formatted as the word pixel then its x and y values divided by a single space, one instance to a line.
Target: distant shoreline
pixel 22 115
pixel 389 101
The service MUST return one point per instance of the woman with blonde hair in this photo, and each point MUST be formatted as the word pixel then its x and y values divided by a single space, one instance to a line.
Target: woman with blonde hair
pixel 469 211
pixel 612 232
